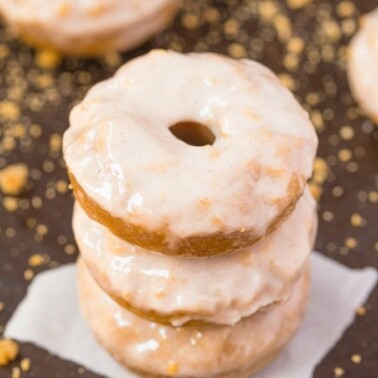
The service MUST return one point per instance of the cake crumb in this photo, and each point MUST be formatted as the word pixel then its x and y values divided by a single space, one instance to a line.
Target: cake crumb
pixel 361 311
pixel 13 179
pixel 16 372
pixel 8 351
pixel 356 358
pixel 297 4
pixel 28 274
pixel 338 372
pixel 37 260
pixel 48 59
pixel 25 364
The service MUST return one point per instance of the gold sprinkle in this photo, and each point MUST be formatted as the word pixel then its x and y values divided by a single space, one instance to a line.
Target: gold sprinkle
pixel 345 9
pixel 296 45
pixel 267 9
pixel 236 50
pixel 361 311
pixel 231 27
pixel 13 179
pixel 373 197
pixel 287 81
pixel 48 59
pixel 351 243
pixel 16 372
pixel 10 204
pixel 356 358
pixel 8 351
pixel 36 260
pixel 36 202
pixel 55 142
pixel 9 110
pixel 347 133
pixel 61 186
pixel 297 4
pixel 113 59
pixel 42 229
pixel 69 249
pixel 35 131
pixel 344 155
pixel 316 190
pixel 2 306
pixel 338 372
pixel 25 364
pixel 356 220
pixel 211 15
pixel 28 274
pixel 190 21
pixel 327 216
pixel 320 171
pixel 337 191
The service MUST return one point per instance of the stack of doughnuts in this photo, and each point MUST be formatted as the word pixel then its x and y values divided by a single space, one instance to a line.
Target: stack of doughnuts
pixel 193 216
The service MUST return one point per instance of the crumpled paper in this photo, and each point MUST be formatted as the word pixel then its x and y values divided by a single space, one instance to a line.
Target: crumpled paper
pixel 49 316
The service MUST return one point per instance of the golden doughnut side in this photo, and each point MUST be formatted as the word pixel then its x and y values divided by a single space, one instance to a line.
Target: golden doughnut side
pixel 197 246
pixel 291 321
pixel 34 35
pixel 152 316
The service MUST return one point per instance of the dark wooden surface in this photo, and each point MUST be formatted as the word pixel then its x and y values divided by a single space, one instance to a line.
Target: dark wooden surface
pixel 37 103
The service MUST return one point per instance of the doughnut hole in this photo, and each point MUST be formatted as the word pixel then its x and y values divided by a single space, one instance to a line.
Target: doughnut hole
pixel 193 133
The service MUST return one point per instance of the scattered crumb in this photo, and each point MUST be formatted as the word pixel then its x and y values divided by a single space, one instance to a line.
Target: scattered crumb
pixel 351 243
pixel 356 358
pixel 361 311
pixel 28 274
pixel 338 372
pixel 25 364
pixel 297 4
pixel 356 220
pixel 48 59
pixel 16 372
pixel 8 351
pixel 37 260
pixel 13 179
pixel 10 203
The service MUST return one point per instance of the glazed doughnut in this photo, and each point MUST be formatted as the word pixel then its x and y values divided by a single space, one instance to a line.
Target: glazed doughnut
pixel 82 27
pixel 157 350
pixel 220 289
pixel 363 65
pixel 133 175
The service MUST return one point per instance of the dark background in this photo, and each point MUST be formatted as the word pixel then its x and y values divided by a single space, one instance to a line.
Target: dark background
pixel 37 95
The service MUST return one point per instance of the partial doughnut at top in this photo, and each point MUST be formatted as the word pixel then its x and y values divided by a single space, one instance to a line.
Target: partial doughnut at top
pixel 83 27
pixel 363 65
pixel 217 290
pixel 192 155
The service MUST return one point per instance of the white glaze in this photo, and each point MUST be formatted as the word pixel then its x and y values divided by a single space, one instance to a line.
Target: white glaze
pixel 189 351
pixel 220 289
pixel 363 65
pixel 120 149
pixel 73 25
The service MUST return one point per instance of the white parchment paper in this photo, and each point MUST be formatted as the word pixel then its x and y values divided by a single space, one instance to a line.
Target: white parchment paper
pixel 49 316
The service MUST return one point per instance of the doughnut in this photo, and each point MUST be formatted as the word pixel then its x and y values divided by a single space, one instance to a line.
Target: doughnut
pixel 189 155
pixel 81 27
pixel 155 350
pixel 220 289
pixel 362 66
